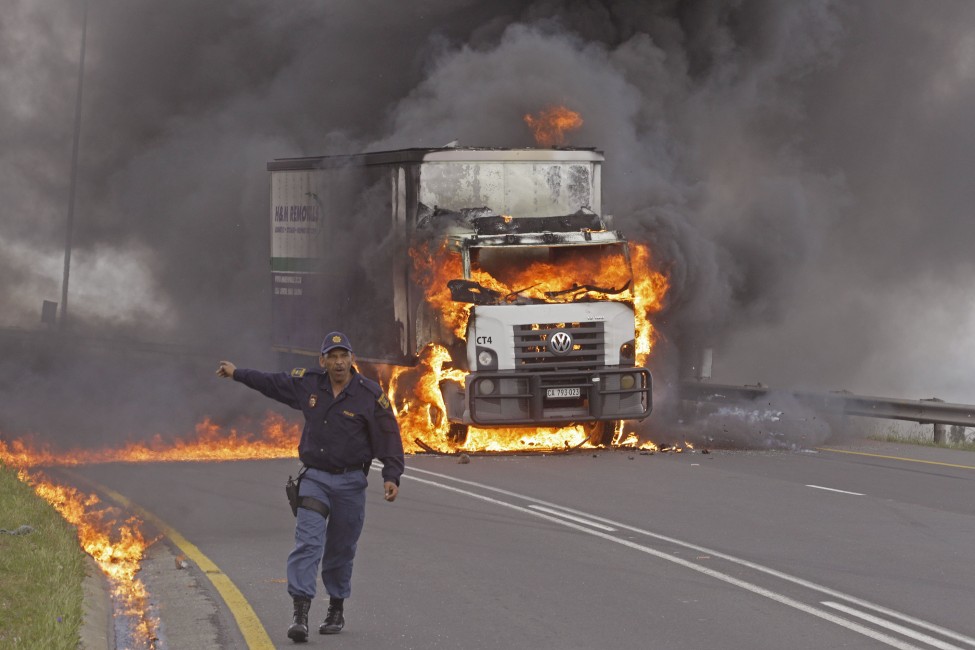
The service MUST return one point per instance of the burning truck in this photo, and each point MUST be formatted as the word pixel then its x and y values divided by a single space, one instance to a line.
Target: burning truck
pixel 484 285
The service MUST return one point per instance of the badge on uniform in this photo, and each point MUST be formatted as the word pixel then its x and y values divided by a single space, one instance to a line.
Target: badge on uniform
pixel 312 400
pixel 298 372
pixel 383 401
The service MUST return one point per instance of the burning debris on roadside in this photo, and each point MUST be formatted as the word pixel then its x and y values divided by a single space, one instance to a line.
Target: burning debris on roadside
pixel 115 540
pixel 116 544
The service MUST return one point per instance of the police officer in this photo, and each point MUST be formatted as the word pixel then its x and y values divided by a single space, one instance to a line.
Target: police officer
pixel 348 422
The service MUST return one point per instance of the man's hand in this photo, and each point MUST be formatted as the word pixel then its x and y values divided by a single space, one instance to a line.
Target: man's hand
pixel 391 490
pixel 226 369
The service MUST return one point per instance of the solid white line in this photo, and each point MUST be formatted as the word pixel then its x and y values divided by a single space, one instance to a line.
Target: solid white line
pixel 553 511
pixel 820 487
pixel 900 629
pixel 730 558
pixel 761 591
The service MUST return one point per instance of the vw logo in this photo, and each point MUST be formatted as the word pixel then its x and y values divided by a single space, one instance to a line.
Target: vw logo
pixel 560 343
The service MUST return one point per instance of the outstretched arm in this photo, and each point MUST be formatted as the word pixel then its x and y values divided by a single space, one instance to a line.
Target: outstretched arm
pixel 226 369
pixel 278 386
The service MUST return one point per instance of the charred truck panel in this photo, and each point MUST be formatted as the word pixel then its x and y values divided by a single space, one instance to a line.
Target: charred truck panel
pixel 546 353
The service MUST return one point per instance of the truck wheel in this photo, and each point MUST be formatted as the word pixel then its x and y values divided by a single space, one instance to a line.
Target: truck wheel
pixel 601 433
pixel 457 433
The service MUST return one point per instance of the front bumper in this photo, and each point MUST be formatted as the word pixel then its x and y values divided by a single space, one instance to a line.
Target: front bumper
pixel 524 398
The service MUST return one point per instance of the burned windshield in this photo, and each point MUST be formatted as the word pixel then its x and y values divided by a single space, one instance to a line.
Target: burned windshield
pixel 544 274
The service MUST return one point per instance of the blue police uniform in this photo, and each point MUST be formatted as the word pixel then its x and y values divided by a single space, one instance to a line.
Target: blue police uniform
pixel 341 436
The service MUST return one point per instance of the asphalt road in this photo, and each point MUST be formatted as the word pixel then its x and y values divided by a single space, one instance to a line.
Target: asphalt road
pixel 736 550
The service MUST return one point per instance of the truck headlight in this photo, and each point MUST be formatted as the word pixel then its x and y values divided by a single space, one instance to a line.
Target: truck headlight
pixel 486 359
pixel 627 381
pixel 628 353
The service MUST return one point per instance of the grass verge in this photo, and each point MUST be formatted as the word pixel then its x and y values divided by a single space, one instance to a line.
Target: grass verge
pixel 41 572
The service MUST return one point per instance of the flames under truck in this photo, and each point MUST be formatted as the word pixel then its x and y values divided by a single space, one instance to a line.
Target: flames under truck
pixel 501 256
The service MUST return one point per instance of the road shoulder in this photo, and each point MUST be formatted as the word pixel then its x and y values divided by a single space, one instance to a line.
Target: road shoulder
pixel 187 615
pixel 97 628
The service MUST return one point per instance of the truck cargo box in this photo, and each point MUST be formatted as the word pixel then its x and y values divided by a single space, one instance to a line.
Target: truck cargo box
pixel 341 228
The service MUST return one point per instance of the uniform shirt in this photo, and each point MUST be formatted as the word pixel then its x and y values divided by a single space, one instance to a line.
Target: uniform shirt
pixel 340 432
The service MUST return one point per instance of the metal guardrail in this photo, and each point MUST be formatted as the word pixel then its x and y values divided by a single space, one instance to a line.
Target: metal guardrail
pixel 925 411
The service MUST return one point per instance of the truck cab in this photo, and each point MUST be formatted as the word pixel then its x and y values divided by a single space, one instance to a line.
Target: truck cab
pixel 559 347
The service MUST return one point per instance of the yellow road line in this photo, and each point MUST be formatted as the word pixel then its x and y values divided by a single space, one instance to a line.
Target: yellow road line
pixel 255 636
pixel 909 460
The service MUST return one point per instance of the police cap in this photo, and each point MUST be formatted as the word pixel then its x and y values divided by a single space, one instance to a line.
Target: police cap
pixel 335 340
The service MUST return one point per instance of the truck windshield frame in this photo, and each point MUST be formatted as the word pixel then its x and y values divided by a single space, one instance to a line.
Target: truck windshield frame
pixel 574 289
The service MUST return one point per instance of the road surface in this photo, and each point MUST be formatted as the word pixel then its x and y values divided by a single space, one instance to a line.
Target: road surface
pixel 614 549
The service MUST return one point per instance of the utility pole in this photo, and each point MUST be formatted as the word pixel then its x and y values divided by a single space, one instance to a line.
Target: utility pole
pixel 62 322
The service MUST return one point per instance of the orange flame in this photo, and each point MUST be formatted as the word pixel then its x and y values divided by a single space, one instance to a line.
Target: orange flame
pixel 417 400
pixel 276 438
pixel 432 269
pixel 649 289
pixel 117 547
pixel 550 124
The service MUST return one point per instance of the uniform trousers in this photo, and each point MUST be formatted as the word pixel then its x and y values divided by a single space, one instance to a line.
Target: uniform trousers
pixel 334 537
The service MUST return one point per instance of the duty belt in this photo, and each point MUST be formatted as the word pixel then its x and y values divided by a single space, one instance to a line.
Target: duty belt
pixel 352 468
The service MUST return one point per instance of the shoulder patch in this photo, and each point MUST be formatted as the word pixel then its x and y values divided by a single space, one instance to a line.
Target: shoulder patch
pixel 298 372
pixel 383 400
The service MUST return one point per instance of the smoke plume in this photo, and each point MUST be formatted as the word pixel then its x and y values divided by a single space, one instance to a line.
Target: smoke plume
pixel 798 168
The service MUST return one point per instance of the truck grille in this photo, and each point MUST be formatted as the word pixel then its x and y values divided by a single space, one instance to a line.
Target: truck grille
pixel 532 353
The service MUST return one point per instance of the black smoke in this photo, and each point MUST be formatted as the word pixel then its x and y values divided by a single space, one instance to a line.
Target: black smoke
pixel 798 168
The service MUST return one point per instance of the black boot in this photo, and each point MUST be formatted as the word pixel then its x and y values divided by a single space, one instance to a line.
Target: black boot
pixel 334 620
pixel 299 627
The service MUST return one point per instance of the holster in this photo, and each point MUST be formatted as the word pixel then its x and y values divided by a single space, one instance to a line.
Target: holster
pixel 291 489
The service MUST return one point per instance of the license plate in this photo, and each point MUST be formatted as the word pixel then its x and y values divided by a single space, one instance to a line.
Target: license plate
pixel 562 393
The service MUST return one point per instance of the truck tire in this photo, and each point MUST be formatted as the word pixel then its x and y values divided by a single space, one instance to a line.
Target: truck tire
pixel 457 433
pixel 601 433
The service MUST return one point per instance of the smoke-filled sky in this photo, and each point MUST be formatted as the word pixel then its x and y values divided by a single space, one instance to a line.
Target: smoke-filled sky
pixel 799 168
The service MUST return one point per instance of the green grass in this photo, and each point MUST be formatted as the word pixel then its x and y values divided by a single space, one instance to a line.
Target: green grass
pixel 41 573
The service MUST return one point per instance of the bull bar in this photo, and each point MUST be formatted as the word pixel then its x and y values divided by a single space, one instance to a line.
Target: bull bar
pixel 594 403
